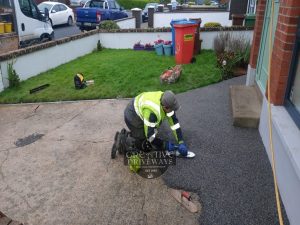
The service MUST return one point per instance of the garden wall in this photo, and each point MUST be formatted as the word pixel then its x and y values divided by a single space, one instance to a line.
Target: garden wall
pixel 126 23
pixel 164 19
pixel 31 61
pixel 128 39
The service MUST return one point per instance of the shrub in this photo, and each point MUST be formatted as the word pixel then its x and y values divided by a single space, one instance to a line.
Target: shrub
pixel 232 51
pixel 138 45
pixel 99 46
pixel 108 25
pixel 149 45
pixel 130 4
pixel 212 24
pixel 13 77
pixel 221 42
pixel 206 2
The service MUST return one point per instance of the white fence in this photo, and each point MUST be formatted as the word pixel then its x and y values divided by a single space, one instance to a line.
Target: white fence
pixel 38 61
pixel 127 23
pixel 164 19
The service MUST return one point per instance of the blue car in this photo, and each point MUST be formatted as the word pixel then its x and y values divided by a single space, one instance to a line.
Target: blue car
pixel 95 11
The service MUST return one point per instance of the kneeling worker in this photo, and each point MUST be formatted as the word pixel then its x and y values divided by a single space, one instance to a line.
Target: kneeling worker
pixel 144 114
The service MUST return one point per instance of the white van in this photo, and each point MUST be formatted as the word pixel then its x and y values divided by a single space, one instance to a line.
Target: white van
pixel 30 24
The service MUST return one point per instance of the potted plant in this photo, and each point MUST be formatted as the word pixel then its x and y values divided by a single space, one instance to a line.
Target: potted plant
pixel 159 47
pixel 168 48
pixel 138 46
pixel 149 47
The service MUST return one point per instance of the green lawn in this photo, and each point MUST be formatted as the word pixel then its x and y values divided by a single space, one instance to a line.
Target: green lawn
pixel 117 73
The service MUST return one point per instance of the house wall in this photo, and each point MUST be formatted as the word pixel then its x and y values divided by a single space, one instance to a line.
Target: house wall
pixel 127 23
pixel 164 19
pixel 286 142
pixel 259 21
pixel 286 135
pixel 284 41
pixel 67 49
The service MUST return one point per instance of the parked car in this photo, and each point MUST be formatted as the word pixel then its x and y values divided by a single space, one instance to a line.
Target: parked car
pixel 78 2
pixel 95 11
pixel 145 11
pixel 59 13
pixel 215 3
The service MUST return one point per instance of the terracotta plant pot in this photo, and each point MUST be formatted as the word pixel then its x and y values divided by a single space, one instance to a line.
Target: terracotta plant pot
pixel 239 71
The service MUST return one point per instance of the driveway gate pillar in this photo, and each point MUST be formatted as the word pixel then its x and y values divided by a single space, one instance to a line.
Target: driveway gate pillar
pixel 150 16
pixel 137 14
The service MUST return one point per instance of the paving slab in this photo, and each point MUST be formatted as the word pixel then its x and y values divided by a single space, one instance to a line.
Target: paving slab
pixel 62 173
pixel 246 106
pixel 55 168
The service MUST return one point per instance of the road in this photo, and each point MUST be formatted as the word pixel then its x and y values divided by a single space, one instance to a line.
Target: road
pixel 65 31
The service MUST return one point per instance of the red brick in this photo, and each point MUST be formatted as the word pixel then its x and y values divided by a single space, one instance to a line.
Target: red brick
pixel 283 45
pixel 291 20
pixel 291 11
pixel 292 3
pixel 285 37
pixel 286 28
pixel 282 54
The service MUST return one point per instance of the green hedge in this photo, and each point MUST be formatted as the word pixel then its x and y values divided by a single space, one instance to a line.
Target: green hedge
pixel 129 4
pixel 212 24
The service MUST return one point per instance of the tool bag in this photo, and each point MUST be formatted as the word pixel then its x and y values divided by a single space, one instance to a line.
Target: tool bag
pixel 79 81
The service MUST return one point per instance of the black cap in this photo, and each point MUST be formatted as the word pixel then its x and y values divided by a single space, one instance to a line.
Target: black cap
pixel 168 100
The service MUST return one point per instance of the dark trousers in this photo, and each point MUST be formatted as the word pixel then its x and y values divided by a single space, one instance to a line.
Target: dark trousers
pixel 136 126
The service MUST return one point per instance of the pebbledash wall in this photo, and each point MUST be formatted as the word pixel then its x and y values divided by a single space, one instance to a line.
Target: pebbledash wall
pixel 163 19
pixel 31 61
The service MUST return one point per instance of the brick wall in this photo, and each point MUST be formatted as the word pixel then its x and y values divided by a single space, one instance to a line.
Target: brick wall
pixel 260 13
pixel 8 43
pixel 285 35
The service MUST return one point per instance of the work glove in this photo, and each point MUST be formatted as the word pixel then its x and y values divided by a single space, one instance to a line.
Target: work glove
pixel 169 146
pixel 135 163
pixel 183 149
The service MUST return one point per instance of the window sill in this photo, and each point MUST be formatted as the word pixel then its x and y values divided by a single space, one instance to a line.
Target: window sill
pixel 289 134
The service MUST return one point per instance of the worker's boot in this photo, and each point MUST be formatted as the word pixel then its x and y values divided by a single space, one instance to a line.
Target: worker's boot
pixel 121 141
